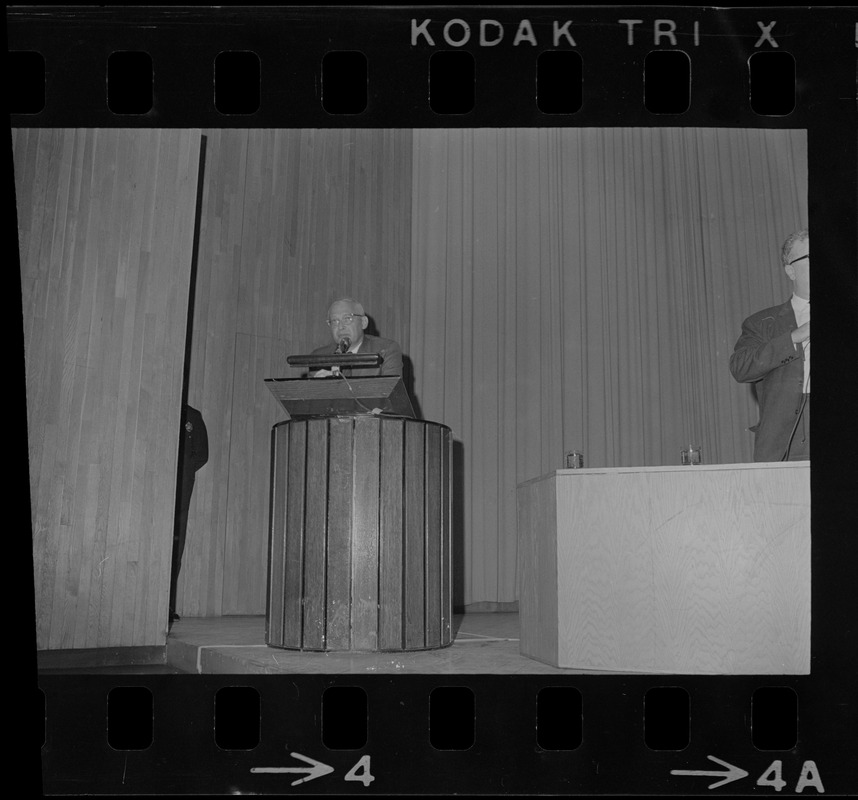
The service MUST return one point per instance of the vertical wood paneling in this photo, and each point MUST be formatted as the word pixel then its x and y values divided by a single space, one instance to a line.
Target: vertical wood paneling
pixel 253 414
pixel 375 578
pixel 434 498
pixel 295 479
pixel 291 220
pixel 281 536
pixel 390 535
pixel 315 564
pixel 296 532
pixel 341 471
pixel 446 541
pixel 106 228
pixel 365 514
pixel 414 541
pixel 201 582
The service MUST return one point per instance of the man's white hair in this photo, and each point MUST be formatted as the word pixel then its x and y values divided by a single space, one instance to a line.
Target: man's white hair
pixel 786 250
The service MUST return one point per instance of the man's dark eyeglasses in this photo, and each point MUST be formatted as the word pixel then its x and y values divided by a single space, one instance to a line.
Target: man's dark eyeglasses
pixel 800 258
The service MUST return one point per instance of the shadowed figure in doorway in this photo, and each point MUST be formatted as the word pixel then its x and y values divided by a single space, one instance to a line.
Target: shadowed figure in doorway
pixel 193 454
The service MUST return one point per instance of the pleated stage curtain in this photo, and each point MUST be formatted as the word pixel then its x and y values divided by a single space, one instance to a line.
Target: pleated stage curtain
pixel 584 288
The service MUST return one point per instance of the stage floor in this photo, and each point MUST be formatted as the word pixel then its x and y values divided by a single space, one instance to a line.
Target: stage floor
pixel 484 643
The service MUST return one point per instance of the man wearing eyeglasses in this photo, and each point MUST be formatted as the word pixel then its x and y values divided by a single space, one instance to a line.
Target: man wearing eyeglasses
pixel 348 322
pixel 774 353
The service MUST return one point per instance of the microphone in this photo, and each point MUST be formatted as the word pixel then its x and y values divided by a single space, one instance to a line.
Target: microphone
pixel 343 346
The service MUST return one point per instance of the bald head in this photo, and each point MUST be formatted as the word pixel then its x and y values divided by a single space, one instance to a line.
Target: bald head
pixel 353 305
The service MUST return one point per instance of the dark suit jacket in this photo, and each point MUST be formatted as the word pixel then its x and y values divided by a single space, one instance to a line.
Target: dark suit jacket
pixel 195 450
pixel 765 355
pixel 391 354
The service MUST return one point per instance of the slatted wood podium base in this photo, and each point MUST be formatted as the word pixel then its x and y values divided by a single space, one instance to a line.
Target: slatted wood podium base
pixel 359 544
pixel 683 570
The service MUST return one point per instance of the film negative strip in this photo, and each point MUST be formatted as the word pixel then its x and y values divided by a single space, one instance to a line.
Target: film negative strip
pixel 591 678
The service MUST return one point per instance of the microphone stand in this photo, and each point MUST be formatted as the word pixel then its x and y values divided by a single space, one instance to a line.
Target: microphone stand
pixel 798 416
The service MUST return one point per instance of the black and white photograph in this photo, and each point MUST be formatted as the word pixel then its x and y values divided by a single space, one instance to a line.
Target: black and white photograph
pixel 554 294
pixel 417 400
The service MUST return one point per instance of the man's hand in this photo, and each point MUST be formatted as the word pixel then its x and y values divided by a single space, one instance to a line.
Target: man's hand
pixel 801 334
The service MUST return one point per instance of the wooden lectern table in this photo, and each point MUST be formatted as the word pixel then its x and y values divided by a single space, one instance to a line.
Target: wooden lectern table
pixel 682 570
pixel 359 541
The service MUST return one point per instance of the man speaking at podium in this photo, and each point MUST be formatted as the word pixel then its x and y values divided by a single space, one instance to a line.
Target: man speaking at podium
pixel 347 322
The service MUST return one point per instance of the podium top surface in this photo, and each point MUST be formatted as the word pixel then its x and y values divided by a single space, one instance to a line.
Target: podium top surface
pixel 321 397
pixel 328 360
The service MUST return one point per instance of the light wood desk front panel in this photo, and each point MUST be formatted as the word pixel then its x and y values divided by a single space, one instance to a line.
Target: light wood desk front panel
pixel 695 570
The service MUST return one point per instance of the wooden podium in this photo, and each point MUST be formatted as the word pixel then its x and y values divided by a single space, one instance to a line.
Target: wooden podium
pixel 359 540
pixel 683 570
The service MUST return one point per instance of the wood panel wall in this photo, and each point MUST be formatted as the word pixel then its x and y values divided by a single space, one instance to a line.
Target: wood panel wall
pixel 291 219
pixel 105 234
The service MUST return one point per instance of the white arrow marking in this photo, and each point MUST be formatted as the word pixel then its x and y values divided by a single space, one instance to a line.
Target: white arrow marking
pixel 315 770
pixel 732 773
